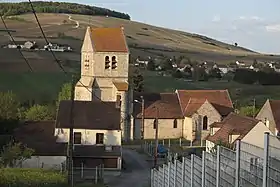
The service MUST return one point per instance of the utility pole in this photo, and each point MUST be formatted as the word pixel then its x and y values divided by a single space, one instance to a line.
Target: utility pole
pixel 156 138
pixel 143 117
pixel 254 107
pixel 71 138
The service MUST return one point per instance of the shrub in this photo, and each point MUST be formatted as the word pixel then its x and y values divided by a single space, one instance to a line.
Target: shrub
pixel 18 177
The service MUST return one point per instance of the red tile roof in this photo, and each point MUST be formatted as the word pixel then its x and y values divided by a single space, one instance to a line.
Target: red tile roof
pixel 191 100
pixel 109 40
pixel 167 105
pixel 275 108
pixel 233 124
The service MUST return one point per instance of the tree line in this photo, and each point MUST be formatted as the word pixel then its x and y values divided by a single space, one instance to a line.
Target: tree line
pixel 10 9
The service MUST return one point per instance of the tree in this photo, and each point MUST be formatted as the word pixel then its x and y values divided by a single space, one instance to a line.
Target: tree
pixel 65 93
pixel 215 73
pixel 199 74
pixel 151 65
pixel 249 111
pixel 8 106
pixel 14 154
pixel 40 113
pixel 177 74
pixel 167 64
pixel 138 81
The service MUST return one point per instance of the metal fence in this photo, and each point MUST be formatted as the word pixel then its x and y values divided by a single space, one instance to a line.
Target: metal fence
pixel 88 174
pixel 245 166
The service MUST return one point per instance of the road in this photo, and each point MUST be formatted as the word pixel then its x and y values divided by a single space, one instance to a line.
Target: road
pixel 137 172
pixel 77 22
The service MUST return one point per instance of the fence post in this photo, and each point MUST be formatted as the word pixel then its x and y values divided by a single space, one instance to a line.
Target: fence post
pixel 203 170
pixel 163 142
pixel 82 170
pixel 157 173
pixel 183 171
pixel 192 169
pixel 169 171
pixel 237 167
pixel 175 172
pixel 218 167
pixel 152 178
pixel 191 143
pixel 169 143
pixel 265 158
pixel 180 142
pixel 96 175
pixel 164 166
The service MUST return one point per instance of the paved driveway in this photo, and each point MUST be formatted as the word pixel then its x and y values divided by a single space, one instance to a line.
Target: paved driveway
pixel 137 172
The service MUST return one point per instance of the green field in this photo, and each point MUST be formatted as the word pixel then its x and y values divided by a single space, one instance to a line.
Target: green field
pixel 40 87
pixel 44 87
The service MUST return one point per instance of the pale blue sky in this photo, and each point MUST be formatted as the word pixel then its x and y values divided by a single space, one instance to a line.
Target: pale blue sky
pixel 251 23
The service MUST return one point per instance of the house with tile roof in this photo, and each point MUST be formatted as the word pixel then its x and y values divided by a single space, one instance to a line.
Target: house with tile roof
pixel 104 71
pixel 185 113
pixel 234 127
pixel 270 115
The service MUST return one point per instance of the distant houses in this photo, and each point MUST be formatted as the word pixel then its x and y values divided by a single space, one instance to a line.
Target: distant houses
pixel 32 45
pixel 23 45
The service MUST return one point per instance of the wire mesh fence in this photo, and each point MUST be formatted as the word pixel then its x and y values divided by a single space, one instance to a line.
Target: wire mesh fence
pixel 246 165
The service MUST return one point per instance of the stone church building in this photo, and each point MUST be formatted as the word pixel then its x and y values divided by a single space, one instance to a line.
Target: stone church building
pixel 104 71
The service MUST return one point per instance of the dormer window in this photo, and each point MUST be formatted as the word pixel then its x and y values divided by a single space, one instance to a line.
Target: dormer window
pixel 107 62
pixel 114 62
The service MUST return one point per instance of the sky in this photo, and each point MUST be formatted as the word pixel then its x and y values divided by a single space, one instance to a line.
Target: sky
pixel 254 24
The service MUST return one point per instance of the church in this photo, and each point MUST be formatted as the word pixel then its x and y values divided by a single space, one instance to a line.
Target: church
pixel 104 78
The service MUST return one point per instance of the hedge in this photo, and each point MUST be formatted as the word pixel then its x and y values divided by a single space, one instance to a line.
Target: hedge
pixel 18 177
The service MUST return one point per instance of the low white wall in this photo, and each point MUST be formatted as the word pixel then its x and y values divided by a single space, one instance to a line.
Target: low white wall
pixel 46 162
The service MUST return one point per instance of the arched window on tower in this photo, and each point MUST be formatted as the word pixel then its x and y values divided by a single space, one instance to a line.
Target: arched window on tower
pixel 114 63
pixel 205 123
pixel 107 62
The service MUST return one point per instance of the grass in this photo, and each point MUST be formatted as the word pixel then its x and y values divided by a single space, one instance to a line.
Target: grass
pixel 19 177
pixel 242 94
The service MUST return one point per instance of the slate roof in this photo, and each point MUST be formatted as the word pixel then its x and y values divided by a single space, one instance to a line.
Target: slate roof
pixel 109 40
pixel 89 115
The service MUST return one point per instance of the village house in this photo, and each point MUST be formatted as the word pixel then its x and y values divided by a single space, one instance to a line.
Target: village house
pixel 39 136
pixel 270 115
pixel 235 126
pixel 23 45
pixel 97 132
pixel 185 113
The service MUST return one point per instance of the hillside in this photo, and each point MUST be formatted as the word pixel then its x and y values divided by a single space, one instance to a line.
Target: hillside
pixel 10 9
pixel 144 40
